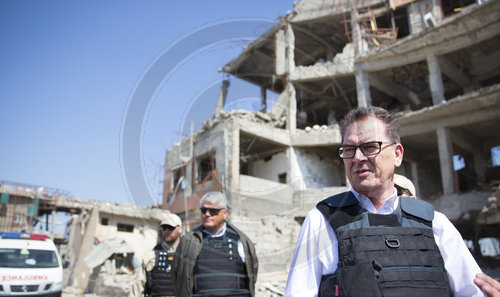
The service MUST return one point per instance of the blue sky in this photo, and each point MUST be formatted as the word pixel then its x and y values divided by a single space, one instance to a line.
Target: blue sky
pixel 69 70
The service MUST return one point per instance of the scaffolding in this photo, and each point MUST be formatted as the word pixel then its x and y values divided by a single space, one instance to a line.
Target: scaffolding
pixel 22 205
pixel 365 26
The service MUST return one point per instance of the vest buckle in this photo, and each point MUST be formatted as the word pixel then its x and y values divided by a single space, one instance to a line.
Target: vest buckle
pixel 392 242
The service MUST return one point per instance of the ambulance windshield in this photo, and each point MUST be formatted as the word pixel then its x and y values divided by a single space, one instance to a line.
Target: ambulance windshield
pixel 27 258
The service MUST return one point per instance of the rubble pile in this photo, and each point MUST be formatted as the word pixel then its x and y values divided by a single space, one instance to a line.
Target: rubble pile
pixel 274 237
pixel 256 117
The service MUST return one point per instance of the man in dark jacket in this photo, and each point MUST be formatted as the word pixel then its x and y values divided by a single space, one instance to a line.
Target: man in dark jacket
pixel 215 259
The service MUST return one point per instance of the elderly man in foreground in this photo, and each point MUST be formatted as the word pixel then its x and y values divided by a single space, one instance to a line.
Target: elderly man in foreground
pixel 369 241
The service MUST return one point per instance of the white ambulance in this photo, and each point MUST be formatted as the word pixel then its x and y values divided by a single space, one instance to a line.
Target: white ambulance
pixel 29 265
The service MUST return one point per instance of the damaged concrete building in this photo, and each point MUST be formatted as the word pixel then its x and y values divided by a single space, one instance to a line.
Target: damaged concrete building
pixel 106 244
pixel 102 244
pixel 434 63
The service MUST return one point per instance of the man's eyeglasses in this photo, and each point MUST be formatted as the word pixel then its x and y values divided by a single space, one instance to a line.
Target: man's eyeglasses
pixel 212 211
pixel 168 227
pixel 368 149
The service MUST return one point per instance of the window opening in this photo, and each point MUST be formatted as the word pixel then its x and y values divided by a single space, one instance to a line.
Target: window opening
pixel 125 227
pixel 204 166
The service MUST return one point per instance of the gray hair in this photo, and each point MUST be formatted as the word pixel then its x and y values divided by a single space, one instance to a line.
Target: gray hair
pixel 389 119
pixel 215 198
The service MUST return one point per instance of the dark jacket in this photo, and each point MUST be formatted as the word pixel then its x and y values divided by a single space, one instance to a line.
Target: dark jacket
pixel 187 253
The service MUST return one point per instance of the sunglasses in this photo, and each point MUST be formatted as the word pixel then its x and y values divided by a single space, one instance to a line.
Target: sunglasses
pixel 168 227
pixel 212 211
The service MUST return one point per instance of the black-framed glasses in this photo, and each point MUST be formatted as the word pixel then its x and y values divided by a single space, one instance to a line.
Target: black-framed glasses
pixel 368 149
pixel 168 227
pixel 212 211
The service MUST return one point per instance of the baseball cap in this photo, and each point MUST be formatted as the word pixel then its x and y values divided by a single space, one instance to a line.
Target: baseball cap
pixel 171 219
pixel 405 183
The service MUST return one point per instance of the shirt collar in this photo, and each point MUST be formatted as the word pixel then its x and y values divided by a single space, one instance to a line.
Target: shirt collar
pixel 388 207
pixel 169 248
pixel 219 233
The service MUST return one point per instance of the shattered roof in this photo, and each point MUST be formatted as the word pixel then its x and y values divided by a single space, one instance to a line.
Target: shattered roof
pixel 122 209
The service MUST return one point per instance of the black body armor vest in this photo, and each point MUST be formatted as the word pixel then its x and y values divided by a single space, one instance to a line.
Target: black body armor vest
pixel 161 277
pixel 384 255
pixel 219 269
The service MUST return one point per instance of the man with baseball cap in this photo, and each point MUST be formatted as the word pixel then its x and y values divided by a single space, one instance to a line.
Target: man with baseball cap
pixel 158 265
pixel 404 186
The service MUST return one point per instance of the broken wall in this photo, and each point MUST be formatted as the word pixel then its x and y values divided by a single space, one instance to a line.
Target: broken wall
pixel 269 168
pixel 143 236
pixel 274 237
pixel 304 201
pixel 175 167
pixel 257 196
pixel 196 166
pixel 320 169
pixel 216 139
pixel 82 242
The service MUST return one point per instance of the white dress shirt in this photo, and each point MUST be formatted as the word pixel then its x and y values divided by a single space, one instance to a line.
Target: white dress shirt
pixel 316 252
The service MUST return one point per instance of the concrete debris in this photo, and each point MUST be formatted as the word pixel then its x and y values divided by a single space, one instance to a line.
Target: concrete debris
pixel 257 117
pixel 317 128
pixel 454 205
pixel 493 203
pixel 106 249
pixel 342 63
pixel 113 285
pixel 274 237
pixel 264 116
pixel 269 289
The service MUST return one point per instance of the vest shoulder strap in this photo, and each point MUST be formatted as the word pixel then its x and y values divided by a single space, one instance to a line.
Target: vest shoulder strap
pixel 231 233
pixel 341 209
pixel 340 200
pixel 417 208
pixel 329 207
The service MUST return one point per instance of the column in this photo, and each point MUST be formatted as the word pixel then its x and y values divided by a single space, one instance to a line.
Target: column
pixel 52 224
pixel 234 163
pixel 188 191
pixel 363 89
pixel 294 175
pixel 445 148
pixel 222 97
pixel 480 166
pixel 280 51
pixel 291 120
pixel 435 80
pixel 263 99
pixel 357 40
pixel 414 176
pixel 290 49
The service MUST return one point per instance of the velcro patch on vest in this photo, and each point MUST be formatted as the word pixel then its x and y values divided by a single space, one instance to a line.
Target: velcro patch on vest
pixel 390 220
